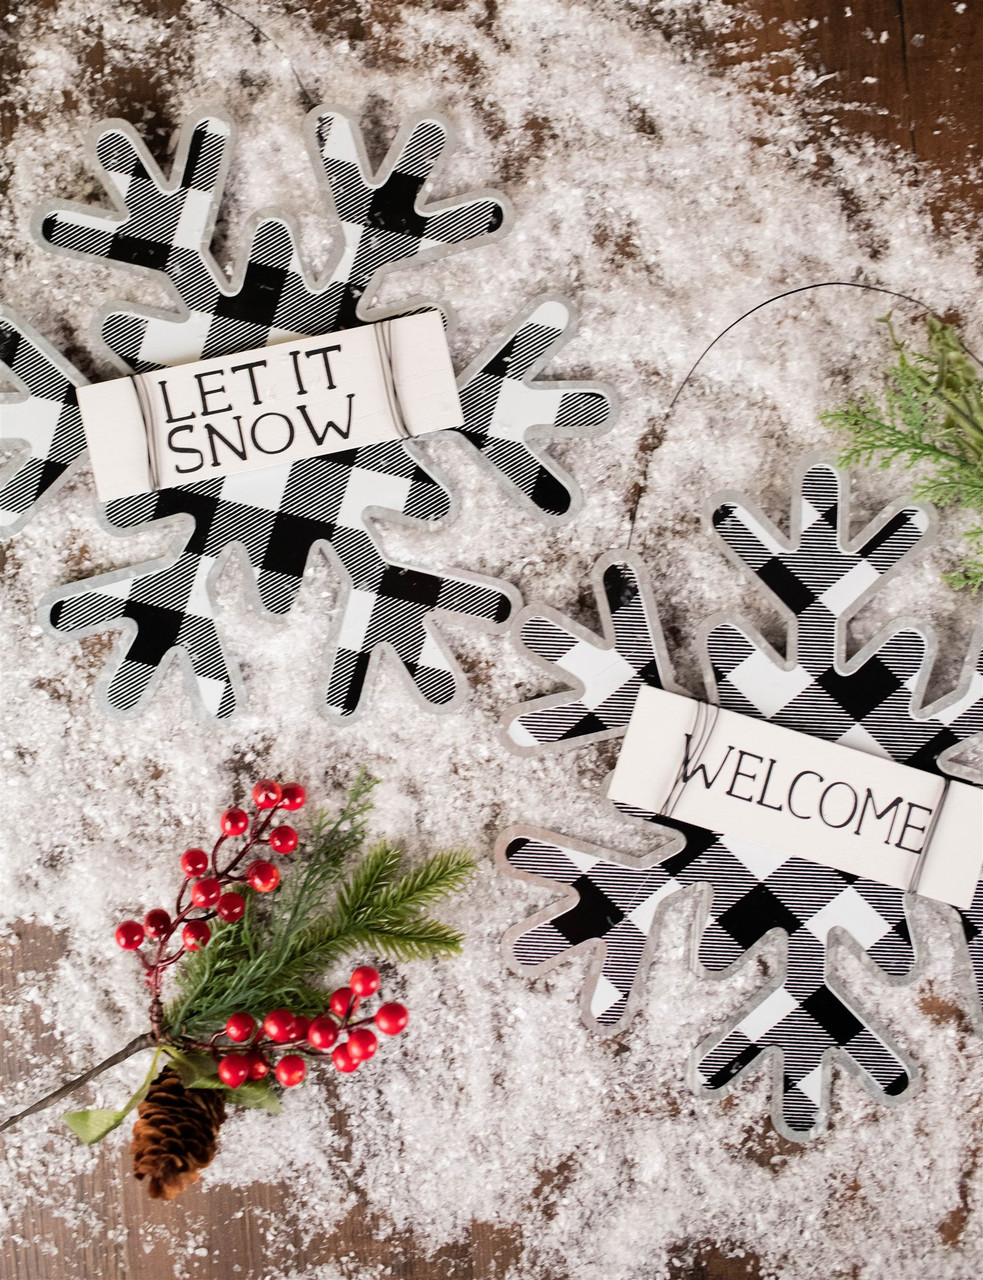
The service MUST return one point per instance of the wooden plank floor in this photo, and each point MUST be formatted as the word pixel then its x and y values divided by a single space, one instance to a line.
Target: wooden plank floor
pixel 908 72
pixel 920 88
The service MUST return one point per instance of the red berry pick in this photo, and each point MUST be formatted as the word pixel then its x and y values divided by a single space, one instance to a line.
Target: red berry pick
pixel 344 1002
pixel 206 892
pixel 362 1044
pixel 280 1025
pixel 230 907
pixel 240 1027
pixel 262 876
pixel 365 981
pixel 194 862
pixel 283 839
pixel 195 935
pixel 392 1018
pixel 323 1032
pixel 233 1070
pixel 266 794
pixel 291 1069
pixel 130 935
pixel 294 796
pixel 157 923
pixel 234 822
pixel 342 1059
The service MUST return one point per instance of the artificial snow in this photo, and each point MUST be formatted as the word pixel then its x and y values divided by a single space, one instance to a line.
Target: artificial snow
pixel 664 203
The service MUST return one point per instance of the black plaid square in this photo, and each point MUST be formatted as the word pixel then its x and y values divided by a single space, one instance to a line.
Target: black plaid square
pixel 790 589
pixel 862 691
pixel 752 916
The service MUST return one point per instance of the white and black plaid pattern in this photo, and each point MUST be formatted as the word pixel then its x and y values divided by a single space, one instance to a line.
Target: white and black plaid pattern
pixel 612 913
pixel 610 672
pixel 501 406
pixel 868 703
pixel 280 514
pixel 382 222
pixel 803 1017
pixel 43 416
pixel 753 889
pixel 806 1014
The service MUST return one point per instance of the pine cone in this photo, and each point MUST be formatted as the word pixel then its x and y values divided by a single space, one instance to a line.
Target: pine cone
pixel 175 1134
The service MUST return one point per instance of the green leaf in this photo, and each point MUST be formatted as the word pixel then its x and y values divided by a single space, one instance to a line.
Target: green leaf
pixel 255 1094
pixel 193 1069
pixel 92 1126
pixel 198 1071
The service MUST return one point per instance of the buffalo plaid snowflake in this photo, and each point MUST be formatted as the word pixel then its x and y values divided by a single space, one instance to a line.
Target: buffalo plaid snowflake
pixel 277 518
pixel 42 415
pixel 873 702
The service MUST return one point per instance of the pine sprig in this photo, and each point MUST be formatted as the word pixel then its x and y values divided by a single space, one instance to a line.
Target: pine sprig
pixel 340 900
pixel 929 414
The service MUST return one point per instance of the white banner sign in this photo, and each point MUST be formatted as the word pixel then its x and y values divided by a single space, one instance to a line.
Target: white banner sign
pixel 801 796
pixel 269 406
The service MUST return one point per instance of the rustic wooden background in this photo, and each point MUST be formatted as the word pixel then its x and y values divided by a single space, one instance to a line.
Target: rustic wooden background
pixel 920 90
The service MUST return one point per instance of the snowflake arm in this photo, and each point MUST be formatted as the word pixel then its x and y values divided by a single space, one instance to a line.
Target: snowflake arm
pixel 159 226
pixel 606 673
pixel 504 409
pixel 801 1034
pixel 43 415
pixel 804 1013
pixel 960 716
pixel 390 606
pixel 383 220
pixel 162 612
pixel 608 909
pixel 871 702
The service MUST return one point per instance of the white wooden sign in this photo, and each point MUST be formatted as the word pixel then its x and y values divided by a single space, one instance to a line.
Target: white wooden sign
pixel 269 406
pixel 802 796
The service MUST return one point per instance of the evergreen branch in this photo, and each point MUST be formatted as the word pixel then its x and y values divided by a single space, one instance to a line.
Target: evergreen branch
pixel 416 940
pixel 280 950
pixel 375 873
pixel 930 414
pixel 439 877
pixel 373 910
pixel 331 843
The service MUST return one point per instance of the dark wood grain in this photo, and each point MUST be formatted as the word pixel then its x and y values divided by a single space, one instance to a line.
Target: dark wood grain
pixel 907 72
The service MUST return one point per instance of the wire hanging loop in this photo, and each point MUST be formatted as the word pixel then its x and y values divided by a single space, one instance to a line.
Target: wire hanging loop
pixel 787 293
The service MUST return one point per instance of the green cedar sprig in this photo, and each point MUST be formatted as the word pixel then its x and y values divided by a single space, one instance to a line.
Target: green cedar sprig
pixel 342 898
pixel 929 413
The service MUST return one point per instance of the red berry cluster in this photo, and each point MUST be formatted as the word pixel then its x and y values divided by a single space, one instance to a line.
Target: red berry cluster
pixel 316 1038
pixel 211 886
